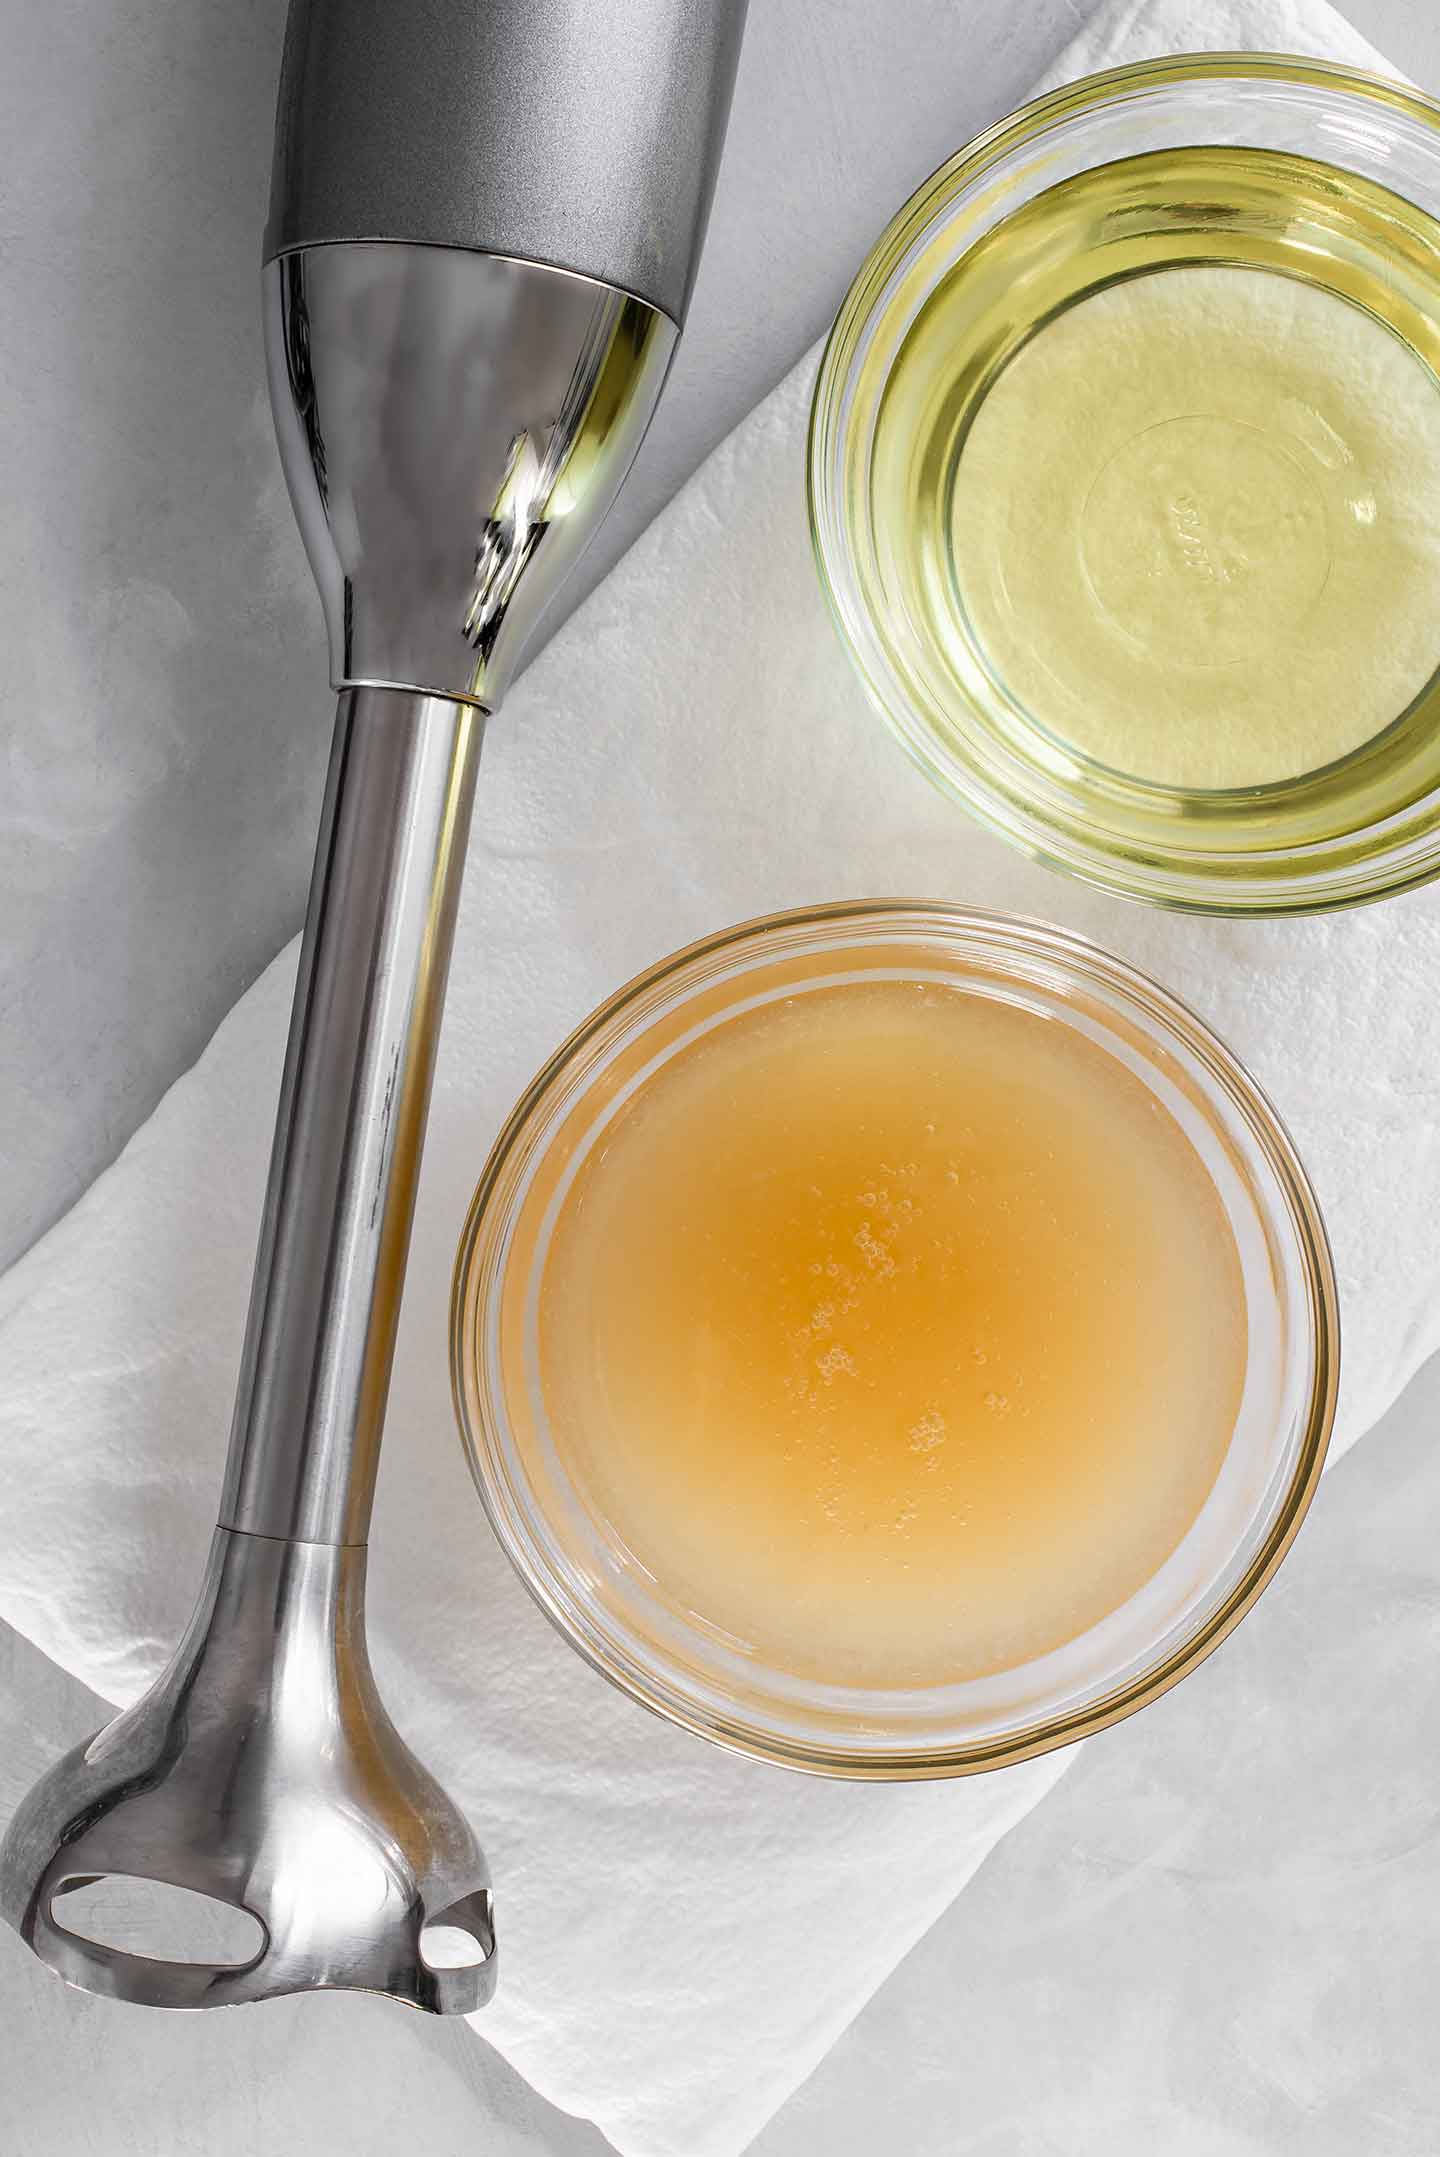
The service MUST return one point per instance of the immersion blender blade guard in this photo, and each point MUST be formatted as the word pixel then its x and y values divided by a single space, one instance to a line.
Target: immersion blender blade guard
pixel 485 223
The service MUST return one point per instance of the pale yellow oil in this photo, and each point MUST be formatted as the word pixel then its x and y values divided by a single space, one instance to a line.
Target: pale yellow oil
pixel 896 1330
pixel 1156 486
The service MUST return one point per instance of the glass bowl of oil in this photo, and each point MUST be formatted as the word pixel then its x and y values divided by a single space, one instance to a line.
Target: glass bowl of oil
pixel 1124 479
pixel 892 1340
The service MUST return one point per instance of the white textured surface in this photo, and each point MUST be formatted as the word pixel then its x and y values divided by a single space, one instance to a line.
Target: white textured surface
pixel 951 873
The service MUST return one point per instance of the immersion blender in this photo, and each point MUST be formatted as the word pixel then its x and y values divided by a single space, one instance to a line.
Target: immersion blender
pixel 485 221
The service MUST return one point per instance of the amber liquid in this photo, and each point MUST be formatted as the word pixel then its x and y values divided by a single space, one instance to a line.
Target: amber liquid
pixel 897 1331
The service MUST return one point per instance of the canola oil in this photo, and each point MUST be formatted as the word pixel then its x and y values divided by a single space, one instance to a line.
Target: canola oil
pixel 1155 492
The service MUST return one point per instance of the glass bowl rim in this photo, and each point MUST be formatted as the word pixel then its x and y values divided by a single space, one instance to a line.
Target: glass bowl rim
pixel 489 1450
pixel 1183 883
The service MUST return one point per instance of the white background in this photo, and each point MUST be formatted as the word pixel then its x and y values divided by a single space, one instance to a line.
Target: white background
pixel 1217 1939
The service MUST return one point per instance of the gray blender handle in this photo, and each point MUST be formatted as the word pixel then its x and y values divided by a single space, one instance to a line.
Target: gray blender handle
pixel 582 136
pixel 484 232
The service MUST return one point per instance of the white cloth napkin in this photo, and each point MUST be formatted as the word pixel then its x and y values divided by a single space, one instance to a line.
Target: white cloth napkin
pixel 684 1934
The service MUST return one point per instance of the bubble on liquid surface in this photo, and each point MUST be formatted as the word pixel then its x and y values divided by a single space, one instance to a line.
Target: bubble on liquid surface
pixel 929 1432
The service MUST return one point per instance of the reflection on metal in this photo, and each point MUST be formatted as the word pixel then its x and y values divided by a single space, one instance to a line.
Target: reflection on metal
pixel 454 427
pixel 454 419
pixel 262 1771
pixel 315 1368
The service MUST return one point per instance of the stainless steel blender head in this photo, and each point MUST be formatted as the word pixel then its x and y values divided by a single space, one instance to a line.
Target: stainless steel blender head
pixel 484 229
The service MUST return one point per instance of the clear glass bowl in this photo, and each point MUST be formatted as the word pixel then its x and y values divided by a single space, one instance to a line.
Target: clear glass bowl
pixel 1354 830
pixel 621 1618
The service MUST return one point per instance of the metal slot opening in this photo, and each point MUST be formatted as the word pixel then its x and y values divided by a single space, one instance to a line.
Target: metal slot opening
pixel 462 1937
pixel 157 1922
